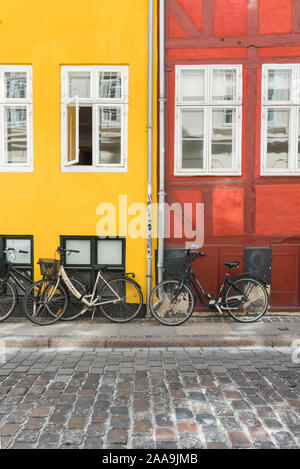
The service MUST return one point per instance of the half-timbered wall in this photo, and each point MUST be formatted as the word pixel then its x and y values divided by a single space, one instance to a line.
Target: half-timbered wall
pixel 246 210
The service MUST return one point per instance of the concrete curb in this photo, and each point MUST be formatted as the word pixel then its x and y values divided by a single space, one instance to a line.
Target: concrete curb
pixel 153 341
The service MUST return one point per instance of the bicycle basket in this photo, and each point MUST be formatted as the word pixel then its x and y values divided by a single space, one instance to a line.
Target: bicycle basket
pixel 176 267
pixel 3 268
pixel 49 267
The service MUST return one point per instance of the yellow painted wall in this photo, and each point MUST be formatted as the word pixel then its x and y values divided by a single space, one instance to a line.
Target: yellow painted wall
pixel 47 34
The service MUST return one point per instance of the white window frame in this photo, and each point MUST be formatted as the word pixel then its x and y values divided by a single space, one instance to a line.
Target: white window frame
pixel 293 105
pixel 96 103
pixel 6 167
pixel 208 104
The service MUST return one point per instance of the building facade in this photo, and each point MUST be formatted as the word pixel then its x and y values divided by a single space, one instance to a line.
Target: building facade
pixel 232 74
pixel 73 86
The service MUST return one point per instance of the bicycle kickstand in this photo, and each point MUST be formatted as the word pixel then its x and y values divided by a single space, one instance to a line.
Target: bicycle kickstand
pixel 93 314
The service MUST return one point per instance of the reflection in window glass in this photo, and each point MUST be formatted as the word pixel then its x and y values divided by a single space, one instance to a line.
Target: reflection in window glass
pixel 192 138
pixel 16 134
pixel 15 85
pixel 24 245
pixel 223 138
pixel 279 85
pixel 109 85
pixel 79 84
pixel 109 251
pixel 278 139
pixel 192 84
pixel 84 248
pixel 109 135
pixel 224 85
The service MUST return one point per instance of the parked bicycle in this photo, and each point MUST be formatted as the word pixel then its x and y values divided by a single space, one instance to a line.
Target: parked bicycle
pixel 11 278
pixel 119 299
pixel 244 297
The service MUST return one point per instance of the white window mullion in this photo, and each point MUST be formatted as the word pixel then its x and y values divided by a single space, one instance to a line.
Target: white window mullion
pixel 95 141
pixel 293 140
pixel 2 148
pixel 207 137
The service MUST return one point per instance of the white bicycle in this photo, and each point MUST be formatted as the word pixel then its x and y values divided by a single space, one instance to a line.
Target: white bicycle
pixel 119 299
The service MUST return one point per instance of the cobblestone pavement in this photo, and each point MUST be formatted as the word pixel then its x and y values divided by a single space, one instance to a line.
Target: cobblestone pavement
pixel 150 398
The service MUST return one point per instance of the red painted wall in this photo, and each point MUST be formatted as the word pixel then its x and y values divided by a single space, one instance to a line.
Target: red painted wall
pixel 249 210
pixel 275 16
pixel 230 17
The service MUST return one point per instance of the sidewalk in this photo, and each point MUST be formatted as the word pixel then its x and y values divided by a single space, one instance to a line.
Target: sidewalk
pixel 271 331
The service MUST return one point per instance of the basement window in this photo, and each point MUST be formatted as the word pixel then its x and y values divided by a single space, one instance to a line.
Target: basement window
pixel 94 119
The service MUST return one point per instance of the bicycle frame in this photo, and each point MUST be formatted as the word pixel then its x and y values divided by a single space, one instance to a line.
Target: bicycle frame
pixel 93 299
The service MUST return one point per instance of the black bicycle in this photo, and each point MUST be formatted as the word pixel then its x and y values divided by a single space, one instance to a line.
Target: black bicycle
pixel 12 278
pixel 172 301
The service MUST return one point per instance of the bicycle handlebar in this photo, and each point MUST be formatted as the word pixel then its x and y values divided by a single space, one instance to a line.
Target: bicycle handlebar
pixel 69 251
pixel 193 254
pixel 17 251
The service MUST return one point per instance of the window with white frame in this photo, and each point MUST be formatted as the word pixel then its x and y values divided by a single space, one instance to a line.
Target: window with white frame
pixel 280 138
pixel 94 118
pixel 208 119
pixel 16 118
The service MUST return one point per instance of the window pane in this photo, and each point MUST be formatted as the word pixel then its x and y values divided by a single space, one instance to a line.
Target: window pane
pixel 224 85
pixel 223 138
pixel 279 85
pixel 79 84
pixel 15 84
pixel 24 245
pixel 278 139
pixel 15 134
pixel 84 248
pixel 109 252
pixel 110 85
pixel 109 135
pixel 72 129
pixel 192 85
pixel 192 138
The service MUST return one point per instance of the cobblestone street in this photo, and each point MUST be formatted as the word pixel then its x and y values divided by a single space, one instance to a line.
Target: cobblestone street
pixel 150 398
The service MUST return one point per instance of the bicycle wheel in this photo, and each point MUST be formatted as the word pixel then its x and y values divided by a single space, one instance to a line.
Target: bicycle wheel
pixel 172 302
pixel 74 306
pixel 246 300
pixel 8 299
pixel 130 303
pixel 44 304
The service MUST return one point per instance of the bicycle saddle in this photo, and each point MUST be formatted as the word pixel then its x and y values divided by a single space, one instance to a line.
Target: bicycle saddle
pixel 232 264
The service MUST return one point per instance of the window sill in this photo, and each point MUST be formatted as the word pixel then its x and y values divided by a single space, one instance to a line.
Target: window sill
pixel 91 169
pixel 194 174
pixel 279 174
pixel 16 169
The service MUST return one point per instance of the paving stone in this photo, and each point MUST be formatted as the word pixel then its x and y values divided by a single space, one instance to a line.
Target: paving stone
pixel 239 440
pixel 117 436
pixel 183 413
pixel 142 426
pixel 165 435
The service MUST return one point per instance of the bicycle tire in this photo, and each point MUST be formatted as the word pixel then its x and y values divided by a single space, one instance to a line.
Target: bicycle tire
pixel 75 307
pixel 121 311
pixel 36 302
pixel 246 303
pixel 8 299
pixel 172 311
